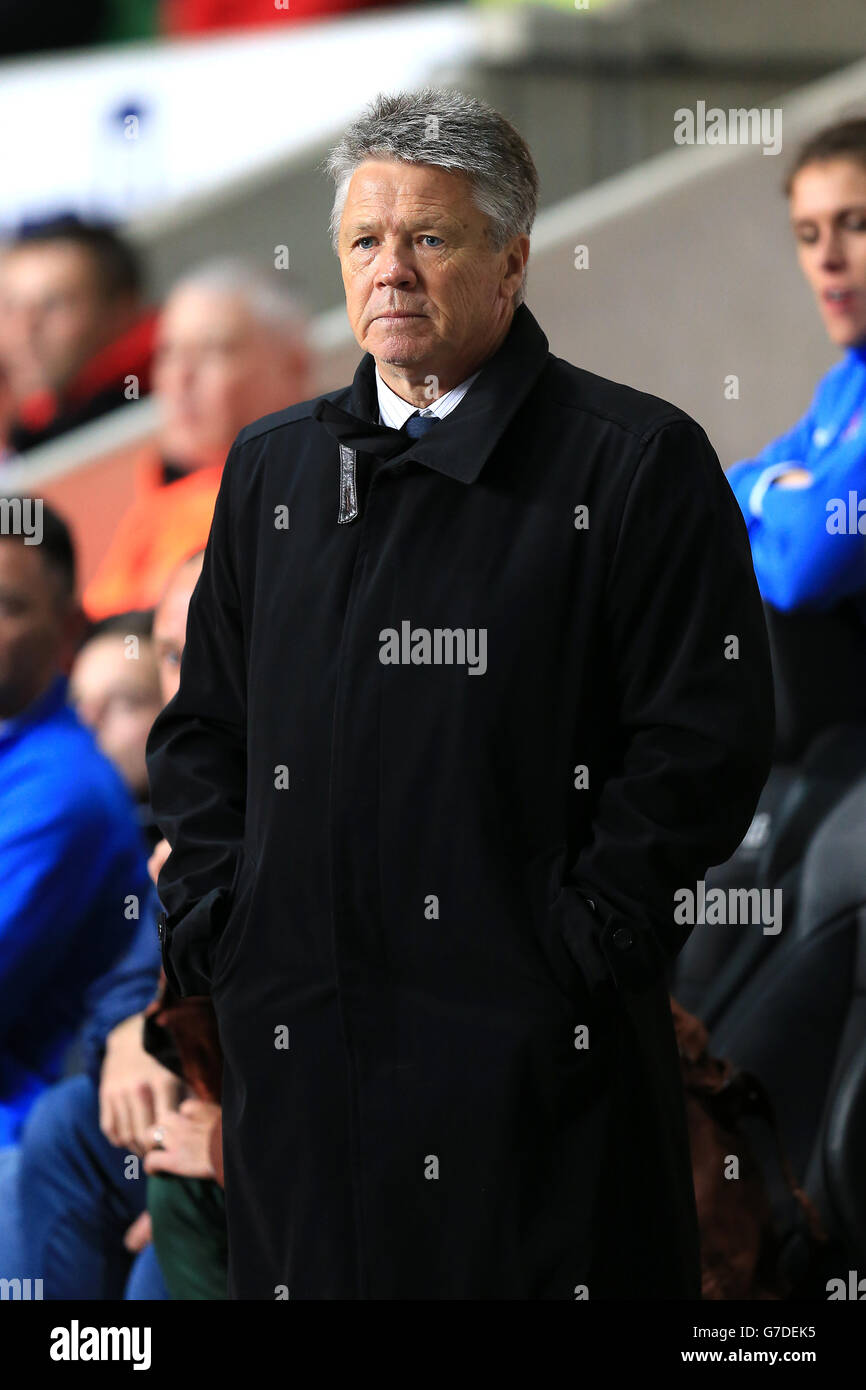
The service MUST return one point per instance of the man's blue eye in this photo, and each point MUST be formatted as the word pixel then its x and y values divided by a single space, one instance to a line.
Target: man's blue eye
pixel 426 236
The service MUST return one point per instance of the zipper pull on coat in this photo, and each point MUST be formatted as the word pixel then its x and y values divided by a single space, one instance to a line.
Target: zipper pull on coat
pixel 348 486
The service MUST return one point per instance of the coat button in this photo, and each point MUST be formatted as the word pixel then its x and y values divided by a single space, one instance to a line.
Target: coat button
pixel 623 938
pixel 160 928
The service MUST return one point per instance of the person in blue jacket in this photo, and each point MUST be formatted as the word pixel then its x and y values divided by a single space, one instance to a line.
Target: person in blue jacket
pixel 66 1194
pixel 73 1192
pixel 802 495
pixel 72 857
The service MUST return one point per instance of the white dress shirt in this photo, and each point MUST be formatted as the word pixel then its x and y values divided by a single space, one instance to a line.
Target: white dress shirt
pixel 394 411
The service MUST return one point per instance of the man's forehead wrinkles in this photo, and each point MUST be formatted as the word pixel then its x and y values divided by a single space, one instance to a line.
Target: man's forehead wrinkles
pixel 384 190
pixel 372 210
pixel 405 202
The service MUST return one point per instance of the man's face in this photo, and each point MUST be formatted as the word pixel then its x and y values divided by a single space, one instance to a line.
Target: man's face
pixel 425 292
pixel 828 214
pixel 35 625
pixel 54 316
pixel 217 368
pixel 169 626
pixel 115 689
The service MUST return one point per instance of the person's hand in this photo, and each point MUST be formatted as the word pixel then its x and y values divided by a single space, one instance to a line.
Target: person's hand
pixel 183 1141
pixel 795 477
pixel 135 1090
pixel 139 1234
pixel 161 851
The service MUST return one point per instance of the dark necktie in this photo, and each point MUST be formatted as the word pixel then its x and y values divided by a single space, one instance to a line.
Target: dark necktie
pixel 354 434
pixel 380 440
pixel 418 425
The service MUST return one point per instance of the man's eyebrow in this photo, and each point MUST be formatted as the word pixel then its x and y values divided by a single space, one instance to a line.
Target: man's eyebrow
pixel 839 212
pixel 441 219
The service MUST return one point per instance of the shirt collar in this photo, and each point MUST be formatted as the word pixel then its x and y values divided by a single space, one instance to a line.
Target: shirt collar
pixel 394 411
pixel 462 444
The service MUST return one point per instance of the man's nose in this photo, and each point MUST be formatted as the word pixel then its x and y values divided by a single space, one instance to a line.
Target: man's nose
pixel 832 252
pixel 394 268
pixel 186 372
pixel 176 375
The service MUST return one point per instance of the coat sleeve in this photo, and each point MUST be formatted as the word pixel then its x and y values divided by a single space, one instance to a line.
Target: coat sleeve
pixel 196 759
pixel 690 665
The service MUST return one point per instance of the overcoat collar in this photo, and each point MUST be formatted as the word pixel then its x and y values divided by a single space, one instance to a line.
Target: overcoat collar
pixel 461 443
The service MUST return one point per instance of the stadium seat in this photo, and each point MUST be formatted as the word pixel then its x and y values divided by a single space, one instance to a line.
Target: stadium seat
pixel 716 961
pixel 799 1024
pixel 840 1164
pixel 819 677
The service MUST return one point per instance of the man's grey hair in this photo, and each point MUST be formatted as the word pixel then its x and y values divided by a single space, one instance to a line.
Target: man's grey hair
pixel 452 131
pixel 273 305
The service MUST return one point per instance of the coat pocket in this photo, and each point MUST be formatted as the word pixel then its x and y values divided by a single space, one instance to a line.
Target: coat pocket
pixel 544 885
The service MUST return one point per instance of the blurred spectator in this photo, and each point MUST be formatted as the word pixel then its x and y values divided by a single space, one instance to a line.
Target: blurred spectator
pixel 185 1186
pixel 169 635
pixel 67 1195
pixel 71 856
pixel 114 686
pixel 802 558
pixel 80 1218
pixel 800 495
pixel 231 347
pixel 75 339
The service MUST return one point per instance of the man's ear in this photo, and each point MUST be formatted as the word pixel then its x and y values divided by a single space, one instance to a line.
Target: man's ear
pixel 517 255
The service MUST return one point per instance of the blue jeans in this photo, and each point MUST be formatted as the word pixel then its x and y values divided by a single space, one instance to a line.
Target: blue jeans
pixel 67 1197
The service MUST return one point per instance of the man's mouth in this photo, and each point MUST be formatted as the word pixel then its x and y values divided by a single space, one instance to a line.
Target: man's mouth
pixel 840 301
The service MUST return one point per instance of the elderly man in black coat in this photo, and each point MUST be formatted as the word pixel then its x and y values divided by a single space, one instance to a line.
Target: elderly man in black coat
pixel 476 679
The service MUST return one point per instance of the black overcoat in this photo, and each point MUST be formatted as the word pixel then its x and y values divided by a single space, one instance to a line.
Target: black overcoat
pixel 457 717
